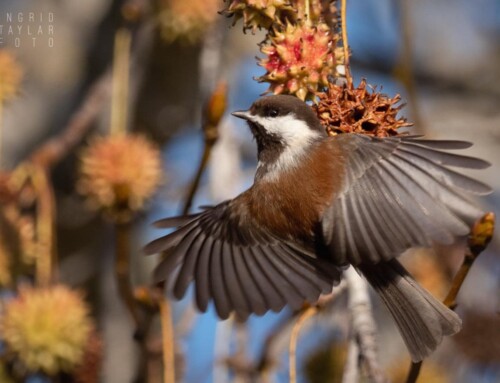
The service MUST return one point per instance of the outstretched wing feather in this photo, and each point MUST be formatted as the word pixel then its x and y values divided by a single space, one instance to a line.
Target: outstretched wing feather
pixel 398 193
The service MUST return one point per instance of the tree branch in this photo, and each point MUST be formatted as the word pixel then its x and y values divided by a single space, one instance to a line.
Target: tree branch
pixel 363 331
pixel 479 238
pixel 56 148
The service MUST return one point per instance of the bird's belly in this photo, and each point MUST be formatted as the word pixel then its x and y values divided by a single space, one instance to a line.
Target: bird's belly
pixel 293 216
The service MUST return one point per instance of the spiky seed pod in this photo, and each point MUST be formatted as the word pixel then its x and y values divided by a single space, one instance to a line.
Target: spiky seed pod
pixel 299 59
pixel 119 173
pixel 258 14
pixel 186 20
pixel 361 110
pixel 318 10
pixel 46 329
pixel 10 75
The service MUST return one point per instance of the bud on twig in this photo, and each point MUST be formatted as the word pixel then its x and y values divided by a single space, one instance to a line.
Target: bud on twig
pixel 480 236
pixel 214 111
pixel 481 233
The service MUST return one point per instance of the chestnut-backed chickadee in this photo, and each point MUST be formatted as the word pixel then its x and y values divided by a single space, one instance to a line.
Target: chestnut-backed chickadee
pixel 318 205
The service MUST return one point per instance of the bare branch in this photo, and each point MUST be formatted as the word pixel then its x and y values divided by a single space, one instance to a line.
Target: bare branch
pixel 479 238
pixel 363 331
pixel 304 316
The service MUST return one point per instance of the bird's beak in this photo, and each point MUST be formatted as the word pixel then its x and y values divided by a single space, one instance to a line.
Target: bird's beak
pixel 244 114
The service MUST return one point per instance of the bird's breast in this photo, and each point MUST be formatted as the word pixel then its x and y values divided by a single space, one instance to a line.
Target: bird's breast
pixel 291 205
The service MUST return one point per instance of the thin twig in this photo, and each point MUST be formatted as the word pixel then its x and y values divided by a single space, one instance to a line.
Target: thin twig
pixel 479 238
pixel 262 369
pixel 119 101
pixel 122 271
pixel 56 148
pixel 265 362
pixel 121 79
pixel 414 372
pixel 167 336
pixel 345 43
pixel 207 150
pixel 308 313
pixel 404 69
pixel 44 226
pixel 36 177
pixel 214 107
pixel 214 110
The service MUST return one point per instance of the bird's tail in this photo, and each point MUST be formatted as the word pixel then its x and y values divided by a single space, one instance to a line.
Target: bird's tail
pixel 421 319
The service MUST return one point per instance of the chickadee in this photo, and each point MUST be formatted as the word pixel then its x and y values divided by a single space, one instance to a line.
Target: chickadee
pixel 319 204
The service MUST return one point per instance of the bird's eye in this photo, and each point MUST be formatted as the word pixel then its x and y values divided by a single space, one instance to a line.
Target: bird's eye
pixel 273 113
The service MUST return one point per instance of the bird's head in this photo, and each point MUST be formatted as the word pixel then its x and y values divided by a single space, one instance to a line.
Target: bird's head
pixel 284 127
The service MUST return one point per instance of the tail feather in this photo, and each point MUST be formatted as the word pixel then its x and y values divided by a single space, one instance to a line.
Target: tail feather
pixel 421 319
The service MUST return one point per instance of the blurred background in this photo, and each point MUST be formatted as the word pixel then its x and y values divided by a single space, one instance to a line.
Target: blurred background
pixel 443 58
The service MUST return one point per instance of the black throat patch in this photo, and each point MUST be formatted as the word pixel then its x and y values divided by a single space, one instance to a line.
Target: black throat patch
pixel 269 148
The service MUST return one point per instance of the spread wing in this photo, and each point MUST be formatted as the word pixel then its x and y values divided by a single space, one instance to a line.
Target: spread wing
pixel 237 264
pixel 399 193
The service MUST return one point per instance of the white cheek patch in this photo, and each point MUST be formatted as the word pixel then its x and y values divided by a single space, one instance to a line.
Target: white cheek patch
pixel 294 133
pixel 292 130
